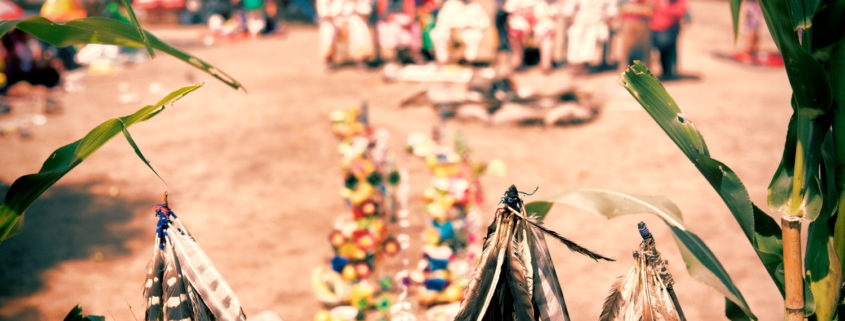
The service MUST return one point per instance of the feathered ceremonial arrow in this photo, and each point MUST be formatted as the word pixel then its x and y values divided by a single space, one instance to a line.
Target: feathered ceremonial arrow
pixel 181 282
pixel 516 278
pixel 646 293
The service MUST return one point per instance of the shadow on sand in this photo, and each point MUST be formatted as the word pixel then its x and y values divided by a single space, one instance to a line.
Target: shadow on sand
pixel 67 223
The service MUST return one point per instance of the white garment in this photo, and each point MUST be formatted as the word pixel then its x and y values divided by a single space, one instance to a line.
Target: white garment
pixel 589 27
pixel 464 21
pixel 345 19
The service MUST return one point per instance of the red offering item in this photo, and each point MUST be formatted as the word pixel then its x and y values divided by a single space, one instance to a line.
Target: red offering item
pixel 337 239
pixel 391 247
pixel 365 241
pixel 166 4
pixel 10 11
pixel 362 270
pixel 368 208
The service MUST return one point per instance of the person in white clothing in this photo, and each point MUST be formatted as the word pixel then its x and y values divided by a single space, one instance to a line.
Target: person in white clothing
pixel 589 27
pixel 345 20
pixel 534 19
pixel 460 21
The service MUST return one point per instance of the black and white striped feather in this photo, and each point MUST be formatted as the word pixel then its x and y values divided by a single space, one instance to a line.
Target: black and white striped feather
pixel 177 307
pixel 153 285
pixel 181 283
pixel 204 277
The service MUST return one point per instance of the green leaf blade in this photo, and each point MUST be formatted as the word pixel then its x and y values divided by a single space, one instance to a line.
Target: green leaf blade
pixel 137 150
pixel 735 10
pixel 807 76
pixel 108 31
pixel 26 189
pixel 760 229
pixel 824 270
pixel 134 20
pixel 801 13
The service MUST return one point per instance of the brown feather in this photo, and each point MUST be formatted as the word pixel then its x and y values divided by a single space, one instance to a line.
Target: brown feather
pixel 548 296
pixel 661 302
pixel 520 273
pixel 613 302
pixel 485 280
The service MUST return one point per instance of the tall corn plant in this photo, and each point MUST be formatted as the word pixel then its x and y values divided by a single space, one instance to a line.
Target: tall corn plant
pixel 26 189
pixel 809 184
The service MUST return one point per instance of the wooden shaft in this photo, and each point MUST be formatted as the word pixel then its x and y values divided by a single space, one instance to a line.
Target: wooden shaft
pixel 792 268
pixel 676 303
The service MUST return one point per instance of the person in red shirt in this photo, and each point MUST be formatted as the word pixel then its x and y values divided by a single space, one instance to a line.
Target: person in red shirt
pixel 665 25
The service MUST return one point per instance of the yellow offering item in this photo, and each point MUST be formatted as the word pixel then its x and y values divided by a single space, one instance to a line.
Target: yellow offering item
pixel 352 252
pixel 349 273
pixel 426 296
pixel 62 10
pixel 361 194
pixel 361 295
pixel 452 293
pixel 328 286
pixel 432 237
pixel 323 315
pixel 497 167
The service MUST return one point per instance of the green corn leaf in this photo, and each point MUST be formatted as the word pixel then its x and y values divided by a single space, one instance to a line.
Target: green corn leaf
pixel 734 312
pixel 137 150
pixel 781 189
pixel 827 177
pixel 701 263
pixel 811 98
pixel 802 12
pixel 75 314
pixel 538 209
pixel 824 270
pixel 827 25
pixel 760 229
pixel 837 76
pixel 807 76
pixel 26 189
pixel 106 31
pixel 134 21
pixel 735 10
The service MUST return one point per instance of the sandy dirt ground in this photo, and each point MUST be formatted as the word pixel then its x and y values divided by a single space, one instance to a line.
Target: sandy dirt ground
pixel 255 175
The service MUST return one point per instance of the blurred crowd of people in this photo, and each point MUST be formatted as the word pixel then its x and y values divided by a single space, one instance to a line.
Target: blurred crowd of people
pixel 449 31
pixel 368 32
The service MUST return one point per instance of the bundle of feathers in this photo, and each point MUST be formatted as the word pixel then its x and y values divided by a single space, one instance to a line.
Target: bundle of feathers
pixel 646 293
pixel 516 278
pixel 181 282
